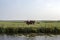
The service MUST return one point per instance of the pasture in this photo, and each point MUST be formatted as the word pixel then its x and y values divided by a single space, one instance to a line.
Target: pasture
pixel 20 27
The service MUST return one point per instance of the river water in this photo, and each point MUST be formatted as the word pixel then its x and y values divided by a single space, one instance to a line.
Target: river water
pixel 5 37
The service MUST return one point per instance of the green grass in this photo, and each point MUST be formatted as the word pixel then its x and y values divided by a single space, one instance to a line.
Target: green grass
pixel 18 27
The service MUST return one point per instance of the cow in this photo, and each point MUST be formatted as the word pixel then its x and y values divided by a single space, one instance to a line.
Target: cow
pixel 30 22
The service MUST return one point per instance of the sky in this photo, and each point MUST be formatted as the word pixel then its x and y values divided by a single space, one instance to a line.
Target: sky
pixel 29 9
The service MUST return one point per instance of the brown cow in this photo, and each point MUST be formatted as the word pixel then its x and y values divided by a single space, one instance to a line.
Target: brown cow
pixel 30 22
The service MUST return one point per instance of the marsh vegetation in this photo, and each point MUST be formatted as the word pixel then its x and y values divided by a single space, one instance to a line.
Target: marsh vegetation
pixel 21 28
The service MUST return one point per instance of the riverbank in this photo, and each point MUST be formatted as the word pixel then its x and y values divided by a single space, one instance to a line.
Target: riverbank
pixel 21 28
pixel 29 30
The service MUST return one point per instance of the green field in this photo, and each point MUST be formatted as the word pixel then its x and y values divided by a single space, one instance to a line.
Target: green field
pixel 20 27
pixel 23 24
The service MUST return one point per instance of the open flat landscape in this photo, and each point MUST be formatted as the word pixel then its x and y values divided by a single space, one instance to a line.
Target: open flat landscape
pixel 21 28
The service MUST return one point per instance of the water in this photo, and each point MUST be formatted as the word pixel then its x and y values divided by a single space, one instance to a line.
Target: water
pixel 5 37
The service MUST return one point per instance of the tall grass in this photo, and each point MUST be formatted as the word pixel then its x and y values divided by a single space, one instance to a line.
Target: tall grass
pixel 27 30
pixel 22 28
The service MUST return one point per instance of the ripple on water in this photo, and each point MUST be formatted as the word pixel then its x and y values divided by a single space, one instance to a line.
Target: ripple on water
pixel 5 37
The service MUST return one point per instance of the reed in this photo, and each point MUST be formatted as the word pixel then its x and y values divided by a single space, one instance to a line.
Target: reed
pixel 13 28
pixel 28 30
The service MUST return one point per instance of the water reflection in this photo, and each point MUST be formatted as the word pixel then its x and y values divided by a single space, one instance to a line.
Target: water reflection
pixel 5 37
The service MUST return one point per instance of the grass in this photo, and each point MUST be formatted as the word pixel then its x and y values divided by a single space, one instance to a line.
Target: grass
pixel 41 27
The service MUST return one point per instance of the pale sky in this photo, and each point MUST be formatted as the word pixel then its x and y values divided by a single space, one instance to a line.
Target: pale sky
pixel 29 9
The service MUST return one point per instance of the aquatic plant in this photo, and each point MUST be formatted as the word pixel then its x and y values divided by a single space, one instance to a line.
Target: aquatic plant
pixel 13 28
